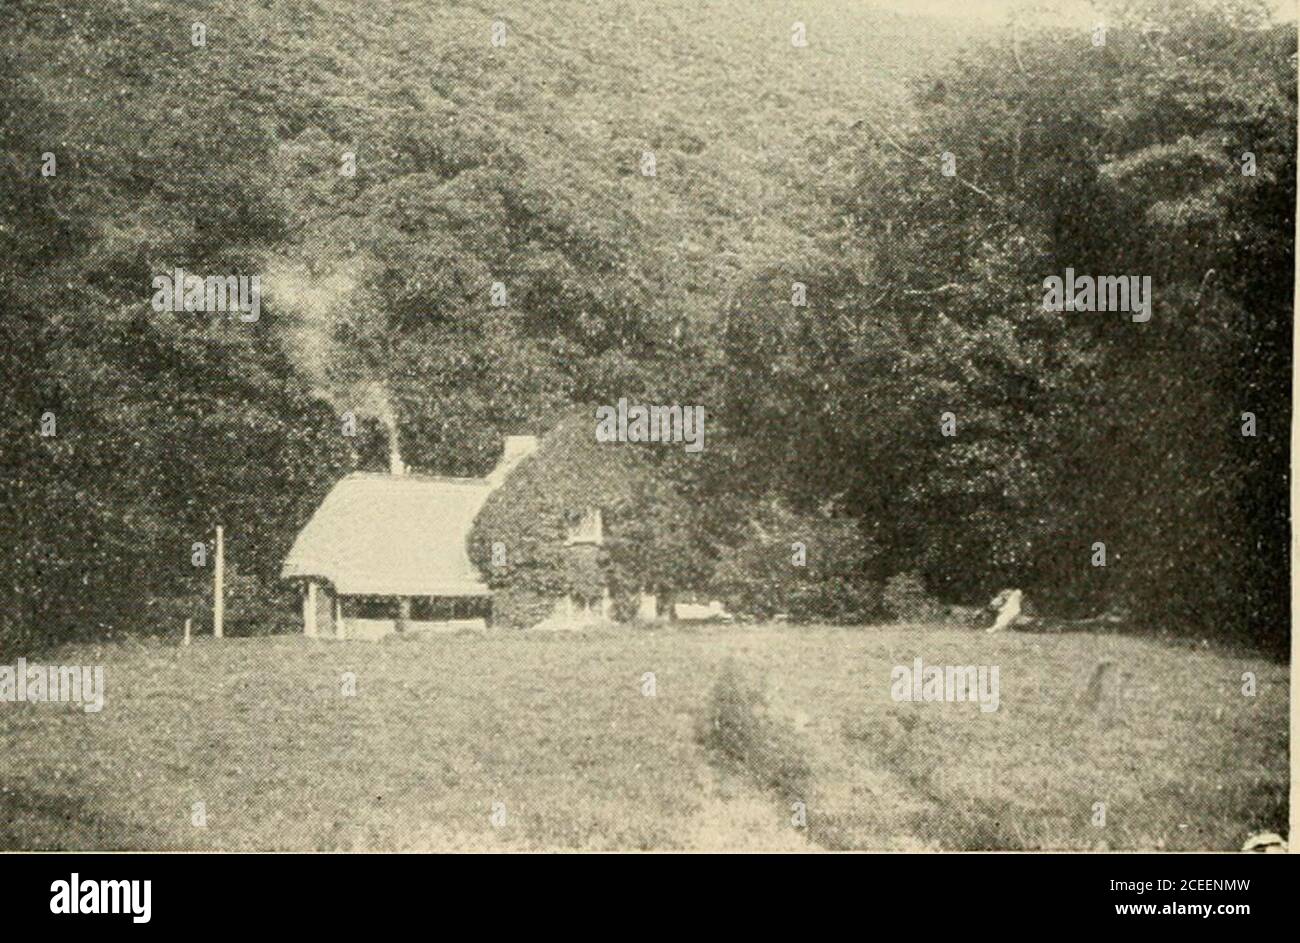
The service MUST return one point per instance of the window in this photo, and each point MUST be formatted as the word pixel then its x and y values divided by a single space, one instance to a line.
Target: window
pixel 369 607
pixel 448 608
pixel 588 529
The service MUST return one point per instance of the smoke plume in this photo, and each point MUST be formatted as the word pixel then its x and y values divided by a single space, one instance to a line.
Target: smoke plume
pixel 311 307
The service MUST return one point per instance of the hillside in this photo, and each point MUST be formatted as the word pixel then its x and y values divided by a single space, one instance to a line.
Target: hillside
pixel 740 121
pixel 475 164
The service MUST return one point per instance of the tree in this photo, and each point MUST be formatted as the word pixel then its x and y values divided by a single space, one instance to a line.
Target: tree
pixel 1071 427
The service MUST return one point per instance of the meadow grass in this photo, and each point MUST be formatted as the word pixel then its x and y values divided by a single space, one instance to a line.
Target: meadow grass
pixel 557 733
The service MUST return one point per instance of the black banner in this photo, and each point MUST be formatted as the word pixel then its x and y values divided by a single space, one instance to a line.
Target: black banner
pixel 978 892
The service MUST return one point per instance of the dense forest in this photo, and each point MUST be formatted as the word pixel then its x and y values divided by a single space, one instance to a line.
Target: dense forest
pixel 829 270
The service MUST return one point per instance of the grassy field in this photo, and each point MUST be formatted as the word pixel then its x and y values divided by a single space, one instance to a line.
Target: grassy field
pixel 559 732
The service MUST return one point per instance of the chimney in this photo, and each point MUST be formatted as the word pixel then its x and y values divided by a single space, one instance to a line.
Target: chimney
pixel 395 464
pixel 518 448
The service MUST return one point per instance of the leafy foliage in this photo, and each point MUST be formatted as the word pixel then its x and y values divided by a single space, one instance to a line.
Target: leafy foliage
pixel 519 165
pixel 809 566
pixel 164 425
pixel 905 598
pixel 1072 427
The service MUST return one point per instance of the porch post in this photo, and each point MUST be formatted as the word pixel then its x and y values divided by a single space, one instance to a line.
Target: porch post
pixel 309 610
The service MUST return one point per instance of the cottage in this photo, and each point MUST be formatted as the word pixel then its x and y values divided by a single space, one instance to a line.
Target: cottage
pixel 387 553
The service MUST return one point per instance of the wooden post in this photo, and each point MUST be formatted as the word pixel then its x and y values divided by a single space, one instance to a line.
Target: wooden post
pixel 309 610
pixel 219 587
pixel 403 613
pixel 187 631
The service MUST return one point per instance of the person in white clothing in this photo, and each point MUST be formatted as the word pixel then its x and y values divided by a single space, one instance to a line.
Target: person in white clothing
pixel 1007 603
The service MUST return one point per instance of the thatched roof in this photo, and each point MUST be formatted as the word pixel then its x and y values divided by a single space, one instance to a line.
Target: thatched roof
pixel 393 535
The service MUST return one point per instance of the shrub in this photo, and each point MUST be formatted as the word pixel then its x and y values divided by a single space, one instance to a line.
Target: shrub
pixel 518 607
pixel 761 576
pixel 253 607
pixel 906 599
pixel 842 601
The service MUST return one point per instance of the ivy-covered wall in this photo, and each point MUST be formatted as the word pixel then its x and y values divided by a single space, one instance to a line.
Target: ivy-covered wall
pixel 528 517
